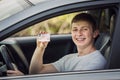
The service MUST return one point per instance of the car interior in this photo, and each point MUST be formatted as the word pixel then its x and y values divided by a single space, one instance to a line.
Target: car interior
pixel 21 49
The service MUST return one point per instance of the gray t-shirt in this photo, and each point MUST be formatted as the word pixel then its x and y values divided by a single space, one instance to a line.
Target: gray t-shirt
pixel 73 62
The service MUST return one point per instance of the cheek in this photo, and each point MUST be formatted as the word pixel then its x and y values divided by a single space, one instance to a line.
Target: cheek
pixel 89 35
pixel 73 37
pixel 73 34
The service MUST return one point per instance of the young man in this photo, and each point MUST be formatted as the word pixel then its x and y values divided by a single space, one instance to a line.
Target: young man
pixel 84 31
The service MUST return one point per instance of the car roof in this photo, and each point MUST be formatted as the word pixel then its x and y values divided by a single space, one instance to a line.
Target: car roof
pixel 9 8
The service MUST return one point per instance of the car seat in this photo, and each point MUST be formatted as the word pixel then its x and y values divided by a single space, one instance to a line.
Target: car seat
pixel 102 43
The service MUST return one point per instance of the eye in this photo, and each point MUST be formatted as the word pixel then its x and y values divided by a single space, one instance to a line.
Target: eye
pixel 74 29
pixel 85 29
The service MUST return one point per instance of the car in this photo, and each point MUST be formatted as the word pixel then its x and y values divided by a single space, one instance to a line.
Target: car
pixel 18 35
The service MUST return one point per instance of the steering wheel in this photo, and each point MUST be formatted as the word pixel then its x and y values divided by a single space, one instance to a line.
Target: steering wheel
pixel 5 52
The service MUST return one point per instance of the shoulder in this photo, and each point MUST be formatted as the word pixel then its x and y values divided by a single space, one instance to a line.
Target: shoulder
pixel 70 55
pixel 98 57
pixel 96 53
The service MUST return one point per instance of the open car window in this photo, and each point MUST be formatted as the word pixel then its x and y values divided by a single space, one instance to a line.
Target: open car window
pixel 61 25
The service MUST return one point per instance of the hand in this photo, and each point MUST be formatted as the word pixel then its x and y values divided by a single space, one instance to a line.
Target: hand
pixel 14 73
pixel 40 41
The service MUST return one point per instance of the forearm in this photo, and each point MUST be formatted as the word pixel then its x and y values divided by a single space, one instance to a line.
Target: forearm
pixel 37 61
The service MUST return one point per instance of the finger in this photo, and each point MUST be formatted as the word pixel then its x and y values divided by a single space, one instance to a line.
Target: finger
pixel 11 75
pixel 10 72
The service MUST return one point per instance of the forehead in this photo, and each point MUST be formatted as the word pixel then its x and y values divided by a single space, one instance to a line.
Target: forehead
pixel 81 24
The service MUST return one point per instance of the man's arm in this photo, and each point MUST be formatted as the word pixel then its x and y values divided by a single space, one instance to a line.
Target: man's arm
pixel 36 65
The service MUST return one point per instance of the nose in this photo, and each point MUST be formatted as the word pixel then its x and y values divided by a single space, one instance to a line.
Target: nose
pixel 79 32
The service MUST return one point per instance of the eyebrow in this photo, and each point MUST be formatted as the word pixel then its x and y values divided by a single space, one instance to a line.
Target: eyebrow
pixel 81 27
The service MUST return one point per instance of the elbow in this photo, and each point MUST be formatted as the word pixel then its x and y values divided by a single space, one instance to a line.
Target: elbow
pixel 33 71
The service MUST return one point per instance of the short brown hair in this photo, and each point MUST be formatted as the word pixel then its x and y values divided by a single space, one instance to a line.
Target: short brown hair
pixel 85 17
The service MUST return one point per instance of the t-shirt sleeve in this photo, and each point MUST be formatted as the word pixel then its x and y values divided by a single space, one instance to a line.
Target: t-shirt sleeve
pixel 94 65
pixel 59 65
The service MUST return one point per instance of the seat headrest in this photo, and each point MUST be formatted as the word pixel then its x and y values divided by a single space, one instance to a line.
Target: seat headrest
pixel 102 41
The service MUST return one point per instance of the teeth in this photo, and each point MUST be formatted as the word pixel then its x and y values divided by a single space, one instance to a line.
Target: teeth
pixel 80 39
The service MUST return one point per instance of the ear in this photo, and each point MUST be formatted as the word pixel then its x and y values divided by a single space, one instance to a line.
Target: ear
pixel 96 32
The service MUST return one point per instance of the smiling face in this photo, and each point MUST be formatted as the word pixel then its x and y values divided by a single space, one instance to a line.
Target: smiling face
pixel 83 34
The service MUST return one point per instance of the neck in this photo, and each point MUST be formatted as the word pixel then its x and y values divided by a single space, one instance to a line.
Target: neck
pixel 85 51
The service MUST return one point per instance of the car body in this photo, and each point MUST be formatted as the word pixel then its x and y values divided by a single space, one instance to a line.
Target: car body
pixel 22 48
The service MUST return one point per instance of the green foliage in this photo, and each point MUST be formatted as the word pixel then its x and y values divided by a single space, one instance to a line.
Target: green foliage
pixel 56 25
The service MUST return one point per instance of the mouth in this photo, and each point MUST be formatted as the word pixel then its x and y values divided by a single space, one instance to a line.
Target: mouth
pixel 80 39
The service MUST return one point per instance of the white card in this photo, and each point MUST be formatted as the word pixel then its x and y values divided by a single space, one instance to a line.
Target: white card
pixel 44 37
